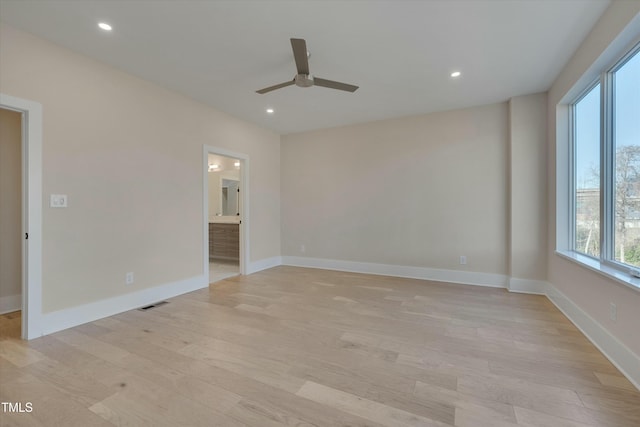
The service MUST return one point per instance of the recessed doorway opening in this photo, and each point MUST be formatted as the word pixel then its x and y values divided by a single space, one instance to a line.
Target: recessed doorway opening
pixel 29 229
pixel 226 219
pixel 10 223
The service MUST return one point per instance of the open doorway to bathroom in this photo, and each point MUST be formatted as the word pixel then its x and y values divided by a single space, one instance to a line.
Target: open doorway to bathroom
pixel 225 216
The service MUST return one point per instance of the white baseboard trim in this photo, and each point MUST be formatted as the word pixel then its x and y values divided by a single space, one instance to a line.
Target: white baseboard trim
pixel 452 276
pixel 68 318
pixel 264 264
pixel 624 359
pixel 527 286
pixel 10 303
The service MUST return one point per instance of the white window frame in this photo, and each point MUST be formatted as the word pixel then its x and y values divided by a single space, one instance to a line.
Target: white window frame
pixel 606 263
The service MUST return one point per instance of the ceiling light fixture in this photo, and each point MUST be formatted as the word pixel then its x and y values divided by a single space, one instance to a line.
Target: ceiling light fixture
pixel 236 164
pixel 456 74
pixel 214 167
pixel 270 110
pixel 105 26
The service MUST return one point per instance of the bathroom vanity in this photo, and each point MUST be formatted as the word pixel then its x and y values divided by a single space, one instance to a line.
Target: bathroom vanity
pixel 224 238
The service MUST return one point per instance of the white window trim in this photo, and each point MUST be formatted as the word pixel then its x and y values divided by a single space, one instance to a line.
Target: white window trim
pixel 605 265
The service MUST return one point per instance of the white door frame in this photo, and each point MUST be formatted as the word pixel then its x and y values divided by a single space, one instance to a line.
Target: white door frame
pixel 244 200
pixel 31 212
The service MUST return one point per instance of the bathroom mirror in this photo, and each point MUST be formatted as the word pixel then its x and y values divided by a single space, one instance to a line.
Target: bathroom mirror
pixel 229 197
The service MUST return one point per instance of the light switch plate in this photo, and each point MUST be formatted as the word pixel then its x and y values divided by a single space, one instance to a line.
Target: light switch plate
pixel 58 201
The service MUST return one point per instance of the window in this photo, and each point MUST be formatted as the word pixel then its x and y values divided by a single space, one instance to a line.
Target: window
pixel 626 145
pixel 587 173
pixel 606 167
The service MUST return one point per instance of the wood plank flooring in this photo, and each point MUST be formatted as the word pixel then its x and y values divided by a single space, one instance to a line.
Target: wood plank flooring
pixel 10 324
pixel 305 347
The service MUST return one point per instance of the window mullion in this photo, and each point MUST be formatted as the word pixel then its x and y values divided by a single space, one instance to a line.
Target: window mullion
pixel 607 166
pixel 572 178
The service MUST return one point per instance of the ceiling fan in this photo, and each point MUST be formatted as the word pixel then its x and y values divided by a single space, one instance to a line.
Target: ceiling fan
pixel 303 78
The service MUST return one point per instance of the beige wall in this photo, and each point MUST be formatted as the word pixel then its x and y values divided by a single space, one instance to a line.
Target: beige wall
pixel 416 191
pixel 10 205
pixel 528 186
pixel 591 291
pixel 129 156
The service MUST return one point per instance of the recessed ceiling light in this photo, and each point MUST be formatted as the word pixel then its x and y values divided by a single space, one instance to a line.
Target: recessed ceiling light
pixel 236 164
pixel 105 26
pixel 456 74
pixel 214 167
pixel 270 110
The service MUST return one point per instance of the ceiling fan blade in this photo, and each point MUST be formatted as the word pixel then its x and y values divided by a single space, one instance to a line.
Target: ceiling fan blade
pixel 299 47
pixel 317 81
pixel 274 87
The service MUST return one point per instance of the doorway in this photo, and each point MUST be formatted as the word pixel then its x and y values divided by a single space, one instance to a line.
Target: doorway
pixel 30 227
pixel 226 219
pixel 10 224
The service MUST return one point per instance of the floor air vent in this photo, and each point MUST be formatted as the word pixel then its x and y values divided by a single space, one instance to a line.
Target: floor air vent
pixel 154 305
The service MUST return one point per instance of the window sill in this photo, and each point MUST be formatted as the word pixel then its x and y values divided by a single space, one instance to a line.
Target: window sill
pixel 595 265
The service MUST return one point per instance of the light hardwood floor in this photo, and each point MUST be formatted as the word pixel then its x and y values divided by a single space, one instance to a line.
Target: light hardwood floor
pixel 302 347
pixel 10 324
pixel 222 269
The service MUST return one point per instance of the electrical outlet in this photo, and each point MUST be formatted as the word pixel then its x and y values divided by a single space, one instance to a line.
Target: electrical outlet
pixel 302 249
pixel 463 259
pixel 129 278
pixel 613 312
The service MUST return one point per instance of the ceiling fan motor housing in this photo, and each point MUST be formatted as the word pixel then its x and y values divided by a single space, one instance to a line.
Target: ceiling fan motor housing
pixel 304 80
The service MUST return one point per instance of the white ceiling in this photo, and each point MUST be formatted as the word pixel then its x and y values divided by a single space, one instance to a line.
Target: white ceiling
pixel 400 53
